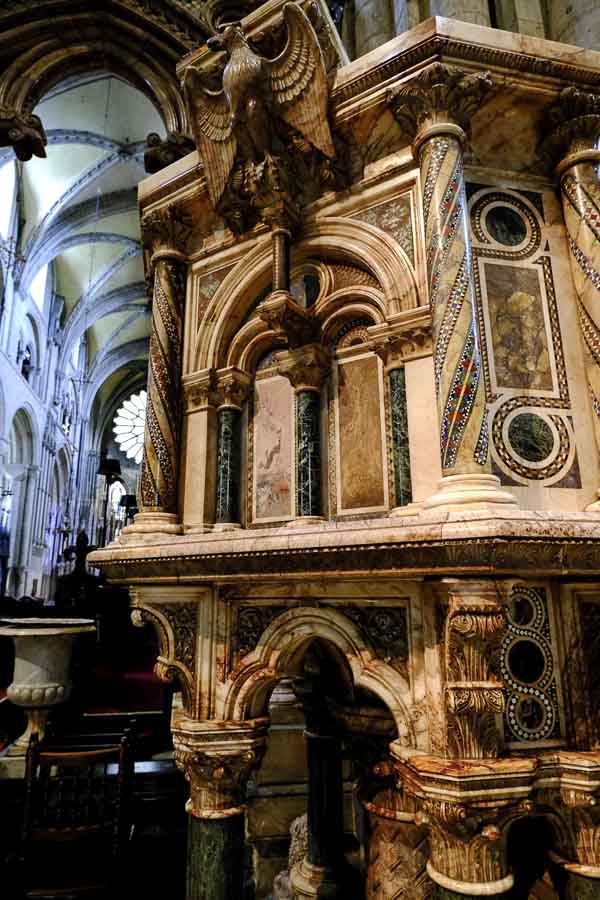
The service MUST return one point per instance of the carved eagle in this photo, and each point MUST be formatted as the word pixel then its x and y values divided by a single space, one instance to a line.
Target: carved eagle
pixel 239 119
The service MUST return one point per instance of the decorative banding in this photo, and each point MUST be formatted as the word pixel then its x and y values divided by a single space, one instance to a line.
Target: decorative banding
pixel 207 813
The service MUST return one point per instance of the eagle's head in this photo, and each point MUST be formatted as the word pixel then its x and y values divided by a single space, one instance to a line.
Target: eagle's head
pixel 230 36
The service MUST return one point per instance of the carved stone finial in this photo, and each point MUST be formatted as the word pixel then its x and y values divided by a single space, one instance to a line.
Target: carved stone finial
pixel 573 124
pixel 159 153
pixel 24 133
pixel 165 229
pixel 439 94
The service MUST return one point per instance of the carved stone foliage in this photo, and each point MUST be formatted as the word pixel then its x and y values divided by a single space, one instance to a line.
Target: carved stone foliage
pixel 175 625
pixel 166 228
pixel 23 132
pixel 440 93
pixel 306 368
pixel 386 629
pixel 217 780
pixel 572 123
pixel 252 621
pixel 465 844
pixel 474 694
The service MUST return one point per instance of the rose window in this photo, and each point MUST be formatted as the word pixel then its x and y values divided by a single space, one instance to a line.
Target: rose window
pixel 129 425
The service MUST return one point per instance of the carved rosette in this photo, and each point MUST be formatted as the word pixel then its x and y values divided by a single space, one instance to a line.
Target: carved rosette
pixel 164 235
pixel 435 107
pixel 474 695
pixel 575 117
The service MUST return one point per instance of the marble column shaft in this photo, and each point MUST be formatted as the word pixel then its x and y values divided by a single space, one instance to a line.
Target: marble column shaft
pixel 580 190
pixel 402 480
pixel 162 437
pixel 435 107
pixel 308 453
pixel 215 859
pixel 228 464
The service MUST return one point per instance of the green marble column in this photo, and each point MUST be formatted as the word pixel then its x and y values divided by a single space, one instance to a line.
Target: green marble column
pixel 215 868
pixel 228 465
pixel 580 888
pixel 308 450
pixel 441 893
pixel 402 482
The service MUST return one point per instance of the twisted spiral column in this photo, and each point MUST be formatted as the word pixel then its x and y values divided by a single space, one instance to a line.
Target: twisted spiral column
pixel 436 107
pixel 163 235
pixel 574 142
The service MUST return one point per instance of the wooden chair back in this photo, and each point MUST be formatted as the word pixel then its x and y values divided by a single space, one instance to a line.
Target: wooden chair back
pixel 78 799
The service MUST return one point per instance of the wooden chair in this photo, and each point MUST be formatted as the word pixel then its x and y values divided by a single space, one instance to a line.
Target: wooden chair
pixel 76 820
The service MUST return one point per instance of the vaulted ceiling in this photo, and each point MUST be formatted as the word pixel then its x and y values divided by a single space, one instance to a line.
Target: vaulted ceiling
pixel 81 218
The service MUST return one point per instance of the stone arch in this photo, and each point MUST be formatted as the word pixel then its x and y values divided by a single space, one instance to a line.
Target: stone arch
pixel 23 443
pixel 339 240
pixel 283 644
pixel 138 53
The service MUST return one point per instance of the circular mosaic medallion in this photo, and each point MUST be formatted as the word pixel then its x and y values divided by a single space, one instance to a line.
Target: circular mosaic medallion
pixel 530 716
pixel 531 437
pixel 526 661
pixel 506 226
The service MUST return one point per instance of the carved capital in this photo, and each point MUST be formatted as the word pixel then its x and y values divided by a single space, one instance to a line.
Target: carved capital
pixel 474 694
pixel 573 124
pixel 24 133
pixel 201 391
pixel 287 318
pixel 165 231
pixel 396 349
pixel 232 387
pixel 305 368
pixel 217 759
pixel 159 153
pixel 439 95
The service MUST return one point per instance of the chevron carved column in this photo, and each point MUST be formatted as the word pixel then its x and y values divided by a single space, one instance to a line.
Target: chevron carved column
pixel 164 235
pixel 436 107
pixel 573 142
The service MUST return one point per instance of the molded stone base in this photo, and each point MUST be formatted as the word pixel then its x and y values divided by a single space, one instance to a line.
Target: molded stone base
pixel 150 523
pixel 458 491
pixel 310 881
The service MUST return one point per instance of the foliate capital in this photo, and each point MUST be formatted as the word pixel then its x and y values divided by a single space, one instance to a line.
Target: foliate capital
pixel 439 95
pixel 232 387
pixel 573 124
pixel 165 231
pixel 306 368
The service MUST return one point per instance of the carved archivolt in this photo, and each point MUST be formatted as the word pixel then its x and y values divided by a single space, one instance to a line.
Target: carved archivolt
pixel 283 644
pixel 341 241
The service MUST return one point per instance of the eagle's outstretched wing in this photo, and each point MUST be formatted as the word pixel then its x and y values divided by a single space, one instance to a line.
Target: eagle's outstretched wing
pixel 211 127
pixel 299 81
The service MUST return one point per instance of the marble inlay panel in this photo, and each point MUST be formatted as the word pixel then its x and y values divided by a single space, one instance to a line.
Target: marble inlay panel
pixel 228 465
pixel 273 448
pixel 519 336
pixel 361 463
pixel 206 288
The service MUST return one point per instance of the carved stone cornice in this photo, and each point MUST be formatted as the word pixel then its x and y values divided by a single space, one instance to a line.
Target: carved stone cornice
pixel 306 368
pixel 440 95
pixel 23 132
pixel 165 232
pixel 232 387
pixel 573 124
pixel 217 759
pixel 287 318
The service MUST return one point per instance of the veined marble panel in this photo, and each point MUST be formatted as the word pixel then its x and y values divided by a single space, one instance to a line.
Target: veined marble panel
pixel 361 459
pixel 394 217
pixel 518 327
pixel 272 449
